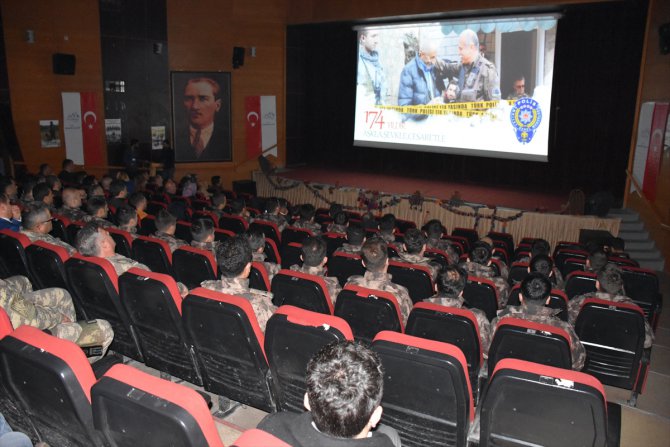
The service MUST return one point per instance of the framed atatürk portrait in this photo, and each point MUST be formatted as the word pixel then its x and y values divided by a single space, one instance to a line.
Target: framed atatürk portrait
pixel 201 116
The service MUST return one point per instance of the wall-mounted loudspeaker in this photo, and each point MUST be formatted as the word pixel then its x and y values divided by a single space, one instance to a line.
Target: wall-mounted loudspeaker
pixel 664 38
pixel 64 64
pixel 238 57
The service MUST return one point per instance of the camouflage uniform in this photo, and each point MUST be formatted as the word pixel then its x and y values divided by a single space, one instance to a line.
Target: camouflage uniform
pixel 445 246
pixel 104 223
pixel 122 264
pixel 46 308
pixel 172 241
pixel 130 230
pixel 389 238
pixel 274 218
pixel 332 282
pixel 417 259
pixel 350 249
pixel 74 214
pixel 314 227
pixel 477 81
pixel 557 281
pixel 271 267
pixel 382 281
pixel 545 315
pixel 486 271
pixel 46 237
pixel 575 305
pixel 337 228
pixel 260 301
pixel 211 246
pixel 482 321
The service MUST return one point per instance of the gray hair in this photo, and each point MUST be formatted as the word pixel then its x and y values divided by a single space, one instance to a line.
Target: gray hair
pixel 88 239
pixel 470 37
pixel 34 215
pixel 426 46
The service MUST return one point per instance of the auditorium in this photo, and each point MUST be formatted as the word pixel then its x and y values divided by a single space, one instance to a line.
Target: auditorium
pixel 334 223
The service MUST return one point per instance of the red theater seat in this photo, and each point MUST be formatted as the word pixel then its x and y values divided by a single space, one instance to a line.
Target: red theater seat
pixel 193 265
pixel 343 265
pixel 46 263
pixel 124 242
pixel 368 311
pixel 482 294
pixel 258 438
pixel 416 278
pixel 13 259
pixel 301 290
pixel 259 278
pixel 154 253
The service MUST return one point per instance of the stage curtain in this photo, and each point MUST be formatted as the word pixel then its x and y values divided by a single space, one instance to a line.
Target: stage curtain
pixel 552 227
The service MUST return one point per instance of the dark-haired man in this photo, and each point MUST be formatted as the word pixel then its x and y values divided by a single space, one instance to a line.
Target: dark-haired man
pixel 355 240
pixel 387 228
pixel 610 287
pixel 340 223
pixel 256 240
pixel 434 231
pixel 306 220
pixel 415 246
pixel 118 191
pixel 544 264
pixel 451 283
pixel 596 260
pixel 540 247
pixel 345 384
pixel 42 193
pixel 67 175
pixel 376 262
pixel 533 296
pixel 273 214
pixel 36 220
pixel 97 211
pixel 478 264
pixel 166 225
pixel 126 216
pixel 202 232
pixel 233 257
pixel 314 261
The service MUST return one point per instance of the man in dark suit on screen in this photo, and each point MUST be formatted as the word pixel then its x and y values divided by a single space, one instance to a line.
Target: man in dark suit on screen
pixel 204 140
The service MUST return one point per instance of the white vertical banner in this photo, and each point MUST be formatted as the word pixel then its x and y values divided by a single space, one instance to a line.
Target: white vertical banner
pixel 642 143
pixel 74 141
pixel 269 124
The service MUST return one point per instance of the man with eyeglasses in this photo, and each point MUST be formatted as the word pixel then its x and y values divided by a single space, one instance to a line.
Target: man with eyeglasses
pixel 36 221
pixel 519 87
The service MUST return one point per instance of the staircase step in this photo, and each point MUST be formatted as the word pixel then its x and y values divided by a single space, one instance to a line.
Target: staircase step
pixel 632 226
pixel 644 254
pixel 657 265
pixel 640 245
pixel 634 235
pixel 625 215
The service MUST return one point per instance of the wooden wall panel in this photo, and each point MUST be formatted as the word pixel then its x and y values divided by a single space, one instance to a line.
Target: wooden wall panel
pixel 70 26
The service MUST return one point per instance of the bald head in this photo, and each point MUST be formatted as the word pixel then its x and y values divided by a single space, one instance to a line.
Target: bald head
pixel 72 197
pixel 468 46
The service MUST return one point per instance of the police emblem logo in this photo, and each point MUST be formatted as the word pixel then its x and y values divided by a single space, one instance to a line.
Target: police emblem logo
pixel 525 116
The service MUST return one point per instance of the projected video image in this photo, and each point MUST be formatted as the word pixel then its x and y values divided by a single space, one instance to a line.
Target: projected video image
pixel 478 87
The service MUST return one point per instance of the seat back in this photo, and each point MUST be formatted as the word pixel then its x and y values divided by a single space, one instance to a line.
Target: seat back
pixel 93 284
pixel 124 242
pixel 566 253
pixel 259 278
pixel 153 304
pixel 292 336
pixel 578 283
pixel 59 226
pixel 613 336
pixel 294 234
pixel 183 231
pixel 439 257
pixel 133 408
pixel 154 253
pixel 517 272
pixel 193 265
pixel 13 259
pixel 572 265
pixel 51 380
pixel 256 437
pixel 448 325
pixel 368 311
pixel 147 225
pixel 482 294
pixel 468 233
pixel 301 290
pixel 271 251
pixel 641 286
pixel 46 263
pixel 530 341
pixel 530 404
pixel 416 278
pixel 229 346
pixel 460 244
pixel 505 238
pixel 291 255
pixel 268 228
pixel 343 265
pixel 236 224
pixel 557 300
pixel 427 392
pixel 333 242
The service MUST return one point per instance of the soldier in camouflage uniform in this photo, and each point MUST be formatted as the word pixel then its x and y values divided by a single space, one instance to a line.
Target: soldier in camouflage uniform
pixel 71 208
pixel 273 214
pixel 415 246
pixel 52 309
pixel 340 223
pixel 355 240
pixel 314 260
pixel 542 247
pixel 477 77
pixel 306 220
pixel 544 265
pixel 535 289
pixel 202 232
pixel 610 288
pixel 166 225
pixel 234 259
pixel 479 265
pixel 36 221
pixel 451 283
pixel 375 260
pixel 256 240
pixel 434 231
pixel 126 216
pixel 387 228
pixel 97 212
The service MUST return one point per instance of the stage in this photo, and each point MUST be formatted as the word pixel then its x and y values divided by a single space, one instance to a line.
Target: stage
pixel 431 187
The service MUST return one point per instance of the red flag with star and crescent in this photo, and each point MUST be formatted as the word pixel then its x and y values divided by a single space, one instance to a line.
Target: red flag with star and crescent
pixel 90 128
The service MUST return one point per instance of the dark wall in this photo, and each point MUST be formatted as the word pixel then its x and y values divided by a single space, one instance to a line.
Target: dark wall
pixel 129 32
pixel 596 73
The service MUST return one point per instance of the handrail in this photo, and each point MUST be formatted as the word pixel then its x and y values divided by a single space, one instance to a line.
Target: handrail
pixel 651 206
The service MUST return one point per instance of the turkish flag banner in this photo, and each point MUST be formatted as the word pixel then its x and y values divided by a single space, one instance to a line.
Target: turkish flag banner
pixel 90 126
pixel 656 138
pixel 253 126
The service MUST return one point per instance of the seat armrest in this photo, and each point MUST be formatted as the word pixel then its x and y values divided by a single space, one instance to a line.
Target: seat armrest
pixel 104 364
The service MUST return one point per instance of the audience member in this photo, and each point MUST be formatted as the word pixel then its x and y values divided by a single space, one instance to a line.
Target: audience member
pixel 166 225
pixel 387 228
pixel 314 261
pixel 415 246
pixel 596 260
pixel 66 175
pixel 219 202
pixel 36 221
pixel 533 296
pixel 98 211
pixel 10 215
pixel 71 209
pixel 478 264
pixel 434 232
pixel 126 216
pixel 306 220
pixel 8 187
pixel 345 384
pixel 139 201
pixel 256 240
pixel 544 264
pixel 118 191
pixel 43 194
pixel 340 223
pixel 273 214
pixel 233 257
pixel 238 208
pixel 355 240
pixel 202 232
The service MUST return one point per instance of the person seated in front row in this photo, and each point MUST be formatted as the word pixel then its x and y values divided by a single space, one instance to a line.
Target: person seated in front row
pixel 543 264
pixel 533 296
pixel 202 232
pixel 340 223
pixel 478 264
pixel 345 384
pixel 71 209
pixel 314 261
pixel 256 240
pixel 450 285
pixel 126 216
pixel 610 287
pixel 376 262
pixel 387 228
pixel 36 220
pixel 233 257
pixel 434 232
pixel 306 220
pixel 97 211
pixel 414 248
pixel 166 225
pixel 355 240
